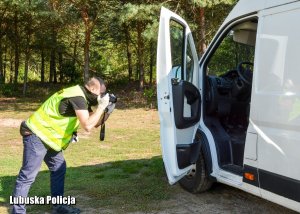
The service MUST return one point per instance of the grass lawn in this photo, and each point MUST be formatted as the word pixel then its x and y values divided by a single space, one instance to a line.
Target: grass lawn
pixel 122 174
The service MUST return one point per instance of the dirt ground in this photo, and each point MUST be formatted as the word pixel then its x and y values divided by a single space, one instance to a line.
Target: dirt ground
pixel 220 199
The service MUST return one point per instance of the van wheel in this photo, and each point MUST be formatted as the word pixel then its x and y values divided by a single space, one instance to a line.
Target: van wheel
pixel 198 178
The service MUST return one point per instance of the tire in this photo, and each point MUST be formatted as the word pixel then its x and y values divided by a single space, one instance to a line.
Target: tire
pixel 198 179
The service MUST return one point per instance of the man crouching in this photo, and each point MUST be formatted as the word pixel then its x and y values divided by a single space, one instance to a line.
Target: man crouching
pixel 51 129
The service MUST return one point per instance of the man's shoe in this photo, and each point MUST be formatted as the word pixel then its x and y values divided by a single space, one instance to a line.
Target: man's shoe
pixel 64 209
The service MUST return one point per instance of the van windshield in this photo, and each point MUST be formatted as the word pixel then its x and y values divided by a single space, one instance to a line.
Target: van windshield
pixel 236 47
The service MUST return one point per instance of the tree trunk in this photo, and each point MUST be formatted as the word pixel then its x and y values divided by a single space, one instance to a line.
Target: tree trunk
pixel 129 54
pixel 50 71
pixel 89 23
pixel 11 67
pixel 137 71
pixel 75 49
pixel 4 64
pixel 16 64
pixel 74 55
pixel 1 64
pixel 140 55
pixel 87 52
pixel 52 77
pixel 16 48
pixel 60 62
pixel 52 66
pixel 201 24
pixel 42 66
pixel 26 66
pixel 151 61
pixel 27 51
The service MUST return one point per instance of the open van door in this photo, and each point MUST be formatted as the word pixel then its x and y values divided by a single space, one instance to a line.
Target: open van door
pixel 179 100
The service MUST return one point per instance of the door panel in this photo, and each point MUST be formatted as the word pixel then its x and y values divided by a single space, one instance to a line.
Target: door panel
pixel 177 94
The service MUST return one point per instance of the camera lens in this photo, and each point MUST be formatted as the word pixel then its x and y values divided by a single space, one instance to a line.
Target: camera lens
pixel 112 98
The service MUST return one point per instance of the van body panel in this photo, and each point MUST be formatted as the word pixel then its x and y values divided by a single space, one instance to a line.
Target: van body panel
pixel 244 7
pixel 276 94
pixel 275 3
pixel 280 200
pixel 210 139
pixel 251 146
pixel 251 189
pixel 276 104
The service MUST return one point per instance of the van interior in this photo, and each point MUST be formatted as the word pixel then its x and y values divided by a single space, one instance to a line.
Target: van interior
pixel 228 86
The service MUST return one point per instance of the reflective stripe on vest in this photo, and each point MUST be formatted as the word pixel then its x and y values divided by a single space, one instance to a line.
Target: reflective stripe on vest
pixel 49 125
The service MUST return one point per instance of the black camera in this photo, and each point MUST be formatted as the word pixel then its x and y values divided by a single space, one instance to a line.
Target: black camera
pixel 112 98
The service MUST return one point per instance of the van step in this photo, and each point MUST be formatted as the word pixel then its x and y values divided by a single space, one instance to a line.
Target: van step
pixel 238 170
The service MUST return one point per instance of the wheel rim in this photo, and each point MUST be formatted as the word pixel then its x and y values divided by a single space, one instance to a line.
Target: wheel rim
pixel 192 173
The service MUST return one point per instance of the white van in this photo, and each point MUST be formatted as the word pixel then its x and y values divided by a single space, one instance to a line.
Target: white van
pixel 234 115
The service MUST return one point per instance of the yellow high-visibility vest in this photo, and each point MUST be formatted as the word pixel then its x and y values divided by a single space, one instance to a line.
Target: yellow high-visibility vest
pixel 49 125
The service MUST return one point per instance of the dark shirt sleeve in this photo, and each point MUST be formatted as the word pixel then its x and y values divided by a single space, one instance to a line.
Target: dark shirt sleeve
pixel 68 106
pixel 78 103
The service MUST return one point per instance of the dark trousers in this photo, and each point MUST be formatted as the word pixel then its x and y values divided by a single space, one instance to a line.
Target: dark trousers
pixel 33 155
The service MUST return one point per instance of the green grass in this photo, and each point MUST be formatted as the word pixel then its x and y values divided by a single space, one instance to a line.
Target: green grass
pixel 122 174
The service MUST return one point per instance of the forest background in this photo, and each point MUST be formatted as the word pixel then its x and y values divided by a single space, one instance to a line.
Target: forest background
pixel 49 42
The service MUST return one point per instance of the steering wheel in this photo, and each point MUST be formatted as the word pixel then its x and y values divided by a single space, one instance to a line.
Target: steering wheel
pixel 245 73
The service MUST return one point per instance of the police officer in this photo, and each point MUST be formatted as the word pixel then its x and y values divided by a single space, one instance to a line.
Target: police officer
pixel 50 130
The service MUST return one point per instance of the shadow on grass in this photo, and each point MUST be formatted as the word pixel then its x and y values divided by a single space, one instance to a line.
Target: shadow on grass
pixel 121 186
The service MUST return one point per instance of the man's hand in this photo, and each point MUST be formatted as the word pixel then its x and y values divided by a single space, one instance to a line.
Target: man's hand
pixel 88 121
pixel 103 101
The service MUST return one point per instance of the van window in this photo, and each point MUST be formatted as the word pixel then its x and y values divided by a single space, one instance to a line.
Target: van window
pixel 177 48
pixel 229 54
pixel 189 63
